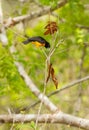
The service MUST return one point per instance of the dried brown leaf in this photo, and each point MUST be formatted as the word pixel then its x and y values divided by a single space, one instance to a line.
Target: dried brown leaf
pixel 53 77
pixel 51 27
pixel 46 32
pixel 51 73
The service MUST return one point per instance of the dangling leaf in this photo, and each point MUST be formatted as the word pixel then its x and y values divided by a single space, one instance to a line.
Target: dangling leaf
pixel 51 27
pixel 51 73
pixel 53 77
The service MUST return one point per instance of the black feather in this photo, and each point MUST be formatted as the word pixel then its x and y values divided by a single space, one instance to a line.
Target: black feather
pixel 38 39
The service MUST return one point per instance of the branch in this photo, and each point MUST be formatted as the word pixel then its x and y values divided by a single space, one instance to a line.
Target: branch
pixel 22 72
pixel 13 21
pixel 55 92
pixel 3 37
pixel 47 118
pixel 69 85
pixel 32 86
pixel 82 26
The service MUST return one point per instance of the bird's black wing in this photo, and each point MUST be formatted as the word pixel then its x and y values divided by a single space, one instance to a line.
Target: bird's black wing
pixel 38 39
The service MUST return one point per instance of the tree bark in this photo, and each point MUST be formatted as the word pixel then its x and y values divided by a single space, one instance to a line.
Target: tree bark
pixel 13 21
pixel 47 118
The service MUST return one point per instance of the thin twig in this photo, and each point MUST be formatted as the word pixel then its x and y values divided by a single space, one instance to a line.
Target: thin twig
pixel 13 21
pixel 69 85
pixel 44 91
pixel 53 50
pixel 82 27
pixel 76 82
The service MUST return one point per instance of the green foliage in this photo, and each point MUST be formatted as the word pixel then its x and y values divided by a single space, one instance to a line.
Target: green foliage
pixel 67 59
pixel 32 125
pixel 52 3
pixel 79 36
pixel 25 8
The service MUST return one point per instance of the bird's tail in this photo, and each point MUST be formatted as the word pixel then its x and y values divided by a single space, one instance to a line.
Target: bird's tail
pixel 25 42
pixel 27 39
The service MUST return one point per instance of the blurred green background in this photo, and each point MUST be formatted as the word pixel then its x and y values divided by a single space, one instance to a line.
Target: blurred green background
pixel 70 60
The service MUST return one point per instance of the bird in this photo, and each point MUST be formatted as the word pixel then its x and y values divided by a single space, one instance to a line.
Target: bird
pixel 38 41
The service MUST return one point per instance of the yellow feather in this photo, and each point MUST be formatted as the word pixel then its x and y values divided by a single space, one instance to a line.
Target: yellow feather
pixel 38 44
